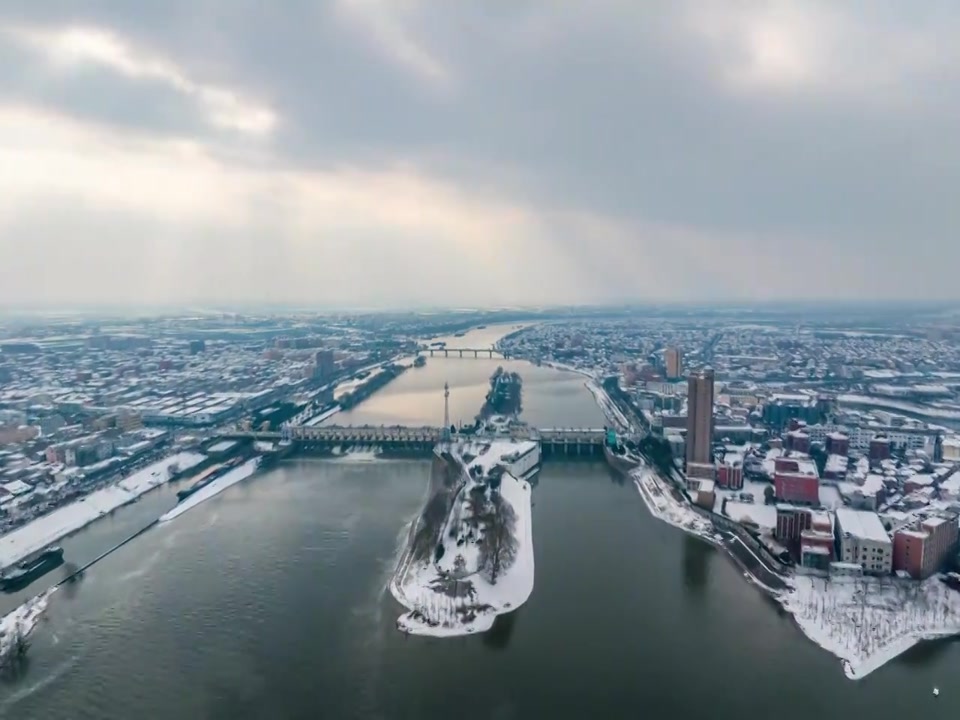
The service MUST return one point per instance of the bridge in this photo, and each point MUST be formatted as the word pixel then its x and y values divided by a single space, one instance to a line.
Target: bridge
pixel 462 352
pixel 553 441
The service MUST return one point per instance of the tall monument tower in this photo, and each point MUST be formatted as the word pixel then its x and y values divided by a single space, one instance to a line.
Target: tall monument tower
pixel 446 412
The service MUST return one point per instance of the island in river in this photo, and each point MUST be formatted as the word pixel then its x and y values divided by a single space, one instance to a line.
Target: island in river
pixel 469 555
pixel 505 396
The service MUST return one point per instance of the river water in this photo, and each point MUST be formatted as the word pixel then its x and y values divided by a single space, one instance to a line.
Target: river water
pixel 269 601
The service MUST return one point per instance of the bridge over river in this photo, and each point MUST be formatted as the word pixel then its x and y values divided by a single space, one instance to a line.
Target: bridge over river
pixel 553 441
pixel 466 352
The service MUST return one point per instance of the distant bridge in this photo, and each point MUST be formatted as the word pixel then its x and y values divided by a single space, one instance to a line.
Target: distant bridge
pixel 463 352
pixel 553 441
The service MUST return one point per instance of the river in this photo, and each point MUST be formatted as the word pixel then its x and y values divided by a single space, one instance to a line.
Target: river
pixel 269 601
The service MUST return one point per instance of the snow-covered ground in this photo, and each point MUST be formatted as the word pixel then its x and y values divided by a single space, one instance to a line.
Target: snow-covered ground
pixel 456 595
pixel 763 515
pixel 663 505
pixel 325 415
pixel 21 621
pixel 866 622
pixel 556 365
pixel 214 488
pixel 609 408
pixel 49 528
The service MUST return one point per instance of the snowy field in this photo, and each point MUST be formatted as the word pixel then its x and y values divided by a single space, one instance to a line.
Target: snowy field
pixel 49 528
pixel 455 594
pixel 214 488
pixel 866 622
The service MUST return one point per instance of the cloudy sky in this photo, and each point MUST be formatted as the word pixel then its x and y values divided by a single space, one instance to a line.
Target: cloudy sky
pixel 438 152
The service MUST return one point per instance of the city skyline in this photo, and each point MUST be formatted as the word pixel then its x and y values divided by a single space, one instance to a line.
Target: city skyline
pixel 364 153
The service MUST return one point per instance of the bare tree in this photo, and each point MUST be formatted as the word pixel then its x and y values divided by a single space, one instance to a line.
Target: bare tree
pixel 500 546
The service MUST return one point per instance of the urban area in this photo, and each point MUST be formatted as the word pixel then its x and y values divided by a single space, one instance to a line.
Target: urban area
pixel 821 450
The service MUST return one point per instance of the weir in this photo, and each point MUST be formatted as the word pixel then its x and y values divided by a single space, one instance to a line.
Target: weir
pixel 554 442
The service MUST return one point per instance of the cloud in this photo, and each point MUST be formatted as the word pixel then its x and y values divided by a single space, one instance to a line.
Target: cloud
pixel 425 152
pixel 73 48
pixel 382 25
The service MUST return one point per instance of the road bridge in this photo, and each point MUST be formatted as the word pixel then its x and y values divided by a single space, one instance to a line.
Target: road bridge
pixel 468 352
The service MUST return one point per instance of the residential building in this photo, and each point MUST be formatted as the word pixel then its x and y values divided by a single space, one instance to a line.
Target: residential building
pixel 796 480
pixel 923 549
pixel 791 522
pixel 673 360
pixel 838 443
pixel 862 539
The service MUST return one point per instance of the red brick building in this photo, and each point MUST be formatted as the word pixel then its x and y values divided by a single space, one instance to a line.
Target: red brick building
pixel 879 449
pixel 730 474
pixel 795 480
pixel 791 522
pixel 798 441
pixel 838 444
pixel 924 549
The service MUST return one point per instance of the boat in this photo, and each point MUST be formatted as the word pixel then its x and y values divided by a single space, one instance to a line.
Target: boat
pixel 936 692
pixel 29 570
pixel 207 477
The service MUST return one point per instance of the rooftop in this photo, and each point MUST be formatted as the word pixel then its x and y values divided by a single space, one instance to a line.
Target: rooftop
pixel 861 524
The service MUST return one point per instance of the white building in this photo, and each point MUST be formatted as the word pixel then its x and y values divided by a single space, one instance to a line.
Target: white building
pixel 951 448
pixel 523 460
pixel 864 541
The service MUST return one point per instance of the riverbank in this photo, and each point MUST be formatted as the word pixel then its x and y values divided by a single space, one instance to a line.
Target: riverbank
pixel 865 622
pixel 54 526
pixel 215 488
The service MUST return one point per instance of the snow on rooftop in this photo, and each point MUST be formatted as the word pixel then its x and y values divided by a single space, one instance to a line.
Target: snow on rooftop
pixel 862 524
pixel 829 497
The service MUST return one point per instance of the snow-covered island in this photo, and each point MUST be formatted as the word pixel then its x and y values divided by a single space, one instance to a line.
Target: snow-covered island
pixel 469 555
pixel 864 621
pixel 17 625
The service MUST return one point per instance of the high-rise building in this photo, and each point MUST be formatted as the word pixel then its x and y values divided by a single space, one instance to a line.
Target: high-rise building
pixel 673 359
pixel 325 363
pixel 700 418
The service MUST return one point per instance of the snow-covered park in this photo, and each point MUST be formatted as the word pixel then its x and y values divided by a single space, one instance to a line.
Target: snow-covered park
pixel 866 622
pixel 479 564
pixel 49 528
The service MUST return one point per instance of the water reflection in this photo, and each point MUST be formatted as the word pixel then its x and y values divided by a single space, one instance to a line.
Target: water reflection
pixel 498 637
pixel 926 652
pixel 696 564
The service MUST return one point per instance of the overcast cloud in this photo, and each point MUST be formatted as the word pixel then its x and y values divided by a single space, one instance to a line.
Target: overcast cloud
pixel 409 152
